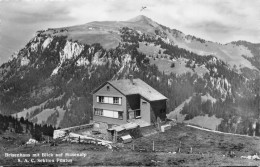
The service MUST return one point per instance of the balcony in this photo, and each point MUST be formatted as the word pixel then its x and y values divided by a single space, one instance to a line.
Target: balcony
pixel 134 114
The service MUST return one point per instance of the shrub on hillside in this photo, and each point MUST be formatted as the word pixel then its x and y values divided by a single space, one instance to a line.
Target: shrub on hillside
pixel 172 65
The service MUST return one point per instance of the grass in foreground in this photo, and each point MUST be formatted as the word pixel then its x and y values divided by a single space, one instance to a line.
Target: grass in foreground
pixel 208 149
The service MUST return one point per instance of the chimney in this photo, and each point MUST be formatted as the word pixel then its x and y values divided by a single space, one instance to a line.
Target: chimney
pixel 131 78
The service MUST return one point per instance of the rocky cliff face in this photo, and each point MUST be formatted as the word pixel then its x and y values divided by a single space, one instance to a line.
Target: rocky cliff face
pixel 44 73
pixel 222 85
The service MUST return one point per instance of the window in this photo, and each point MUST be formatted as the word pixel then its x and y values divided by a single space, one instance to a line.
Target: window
pixel 137 114
pixel 108 88
pixel 100 99
pixel 116 100
pixel 98 111
pixel 144 103
pixel 109 100
pixel 120 115
pixel 108 113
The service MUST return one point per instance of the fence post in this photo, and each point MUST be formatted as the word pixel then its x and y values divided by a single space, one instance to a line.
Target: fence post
pixel 115 136
pixel 153 145
pixel 179 149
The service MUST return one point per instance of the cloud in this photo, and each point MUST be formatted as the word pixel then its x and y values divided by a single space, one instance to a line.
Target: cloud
pixel 23 12
pixel 230 19
pixel 214 27
pixel 36 17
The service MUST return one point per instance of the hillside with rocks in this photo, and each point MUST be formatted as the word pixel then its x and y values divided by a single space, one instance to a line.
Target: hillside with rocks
pixel 50 80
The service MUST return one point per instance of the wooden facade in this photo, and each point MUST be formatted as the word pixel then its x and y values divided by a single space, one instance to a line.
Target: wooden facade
pixel 109 91
pixel 112 106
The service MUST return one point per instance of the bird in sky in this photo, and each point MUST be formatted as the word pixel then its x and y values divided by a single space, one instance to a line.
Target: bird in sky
pixel 143 8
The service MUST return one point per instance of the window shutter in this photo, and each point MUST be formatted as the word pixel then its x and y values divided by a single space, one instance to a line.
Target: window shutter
pixel 115 114
pixel 97 98
pixel 120 100
pixel 105 99
pixel 108 113
pixel 110 100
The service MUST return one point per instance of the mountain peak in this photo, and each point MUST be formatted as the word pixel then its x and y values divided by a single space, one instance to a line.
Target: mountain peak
pixel 140 18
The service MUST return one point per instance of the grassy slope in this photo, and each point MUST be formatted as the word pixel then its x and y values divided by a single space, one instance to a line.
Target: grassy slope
pixel 205 121
pixel 228 53
pixel 164 65
pixel 176 113
pixel 208 150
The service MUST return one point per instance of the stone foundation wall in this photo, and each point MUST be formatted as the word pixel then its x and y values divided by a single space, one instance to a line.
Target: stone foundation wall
pixel 63 132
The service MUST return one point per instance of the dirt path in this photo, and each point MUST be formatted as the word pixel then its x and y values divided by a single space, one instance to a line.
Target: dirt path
pixel 214 131
pixel 176 112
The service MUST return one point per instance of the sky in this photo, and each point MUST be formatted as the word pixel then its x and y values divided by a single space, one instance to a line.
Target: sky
pixel 220 21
